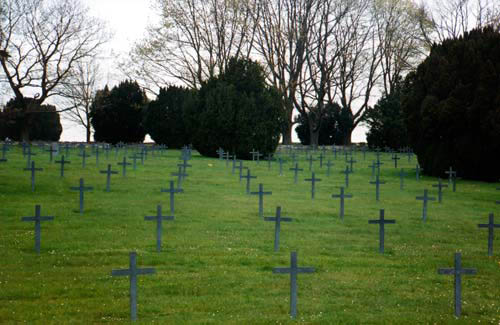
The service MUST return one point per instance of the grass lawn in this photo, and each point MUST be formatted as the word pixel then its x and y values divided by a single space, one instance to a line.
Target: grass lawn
pixel 217 257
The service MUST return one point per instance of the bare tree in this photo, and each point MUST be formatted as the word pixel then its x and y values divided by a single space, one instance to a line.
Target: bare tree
pixel 42 40
pixel 193 42
pixel 78 93
pixel 398 29
pixel 442 19
pixel 358 63
pixel 283 34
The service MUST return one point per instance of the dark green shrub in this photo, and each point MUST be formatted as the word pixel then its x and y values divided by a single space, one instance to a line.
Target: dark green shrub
pixel 452 106
pixel 116 115
pixel 164 118
pixel 236 111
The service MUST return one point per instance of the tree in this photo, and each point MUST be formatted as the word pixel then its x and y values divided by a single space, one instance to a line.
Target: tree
pixel 46 126
pixel 193 42
pixel 335 125
pixel 116 115
pixel 451 106
pixel 237 112
pixel 386 123
pixel 78 92
pixel 164 118
pixel 40 43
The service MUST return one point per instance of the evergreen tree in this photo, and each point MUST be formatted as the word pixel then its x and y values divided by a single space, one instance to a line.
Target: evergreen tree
pixel 44 122
pixel 164 118
pixel 386 123
pixel 452 106
pixel 116 115
pixel 236 111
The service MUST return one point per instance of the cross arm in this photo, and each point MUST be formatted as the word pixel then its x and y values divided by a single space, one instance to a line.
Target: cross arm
pixel 120 272
pixel 281 270
pixel 146 270
pixel 37 218
pixel 306 270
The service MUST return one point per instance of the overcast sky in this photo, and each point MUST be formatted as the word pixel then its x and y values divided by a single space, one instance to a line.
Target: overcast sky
pixel 127 20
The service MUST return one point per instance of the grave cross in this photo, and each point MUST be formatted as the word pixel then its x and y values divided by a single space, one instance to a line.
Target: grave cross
pixel 108 173
pixel 133 272
pixel 281 161
pixel 329 165
pixel 451 174
pixel 277 226
pixel 172 190
pixel 261 194
pixel 124 165
pixel 440 186
pixel 425 199
pixel 395 158
pixel 373 166
pixel 378 163
pixel 97 153
pixel 51 151
pixel 295 171
pixel 62 162
pixel 313 181
pixel 381 221
pixel 134 158
pixel 418 170
pixel 342 196
pixel 84 156
pixel 82 188
pixel 33 170
pixel 37 219
pixel 234 164
pixel 248 178
pixel 457 271
pixel 402 175
pixel 321 157
pixel 351 162
pixel 377 183
pixel 180 176
pixel 311 159
pixel 29 153
pixel 293 270
pixel 220 152
pixel 346 172
pixel 491 228
pixel 240 168
pixel 159 218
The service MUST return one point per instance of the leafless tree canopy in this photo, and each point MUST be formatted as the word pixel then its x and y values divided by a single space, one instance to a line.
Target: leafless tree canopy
pixel 193 42
pixel 44 40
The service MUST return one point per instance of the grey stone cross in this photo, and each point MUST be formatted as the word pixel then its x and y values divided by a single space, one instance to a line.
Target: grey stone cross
pixel 62 162
pixel 133 271
pixel 158 218
pixel 402 175
pixel 82 189
pixel 381 221
pixel 313 181
pixel 248 177
pixel 108 173
pixel 425 199
pixel 293 270
pixel 342 197
pixel 84 156
pixel 418 171
pixel 451 174
pixel 277 227
pixel 440 186
pixel 38 218
pixel 296 170
pixel 172 190
pixel 377 183
pixel 346 172
pixel 240 168
pixel 261 194
pixel 124 165
pixel 457 271
pixel 329 165
pixel 180 176
pixel 491 228
pixel 33 170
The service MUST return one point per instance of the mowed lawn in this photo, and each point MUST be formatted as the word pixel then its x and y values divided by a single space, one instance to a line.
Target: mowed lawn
pixel 217 257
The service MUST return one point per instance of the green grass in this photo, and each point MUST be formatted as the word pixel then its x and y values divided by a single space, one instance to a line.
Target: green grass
pixel 217 258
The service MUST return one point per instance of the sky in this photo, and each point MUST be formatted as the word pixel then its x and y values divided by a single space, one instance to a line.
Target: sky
pixel 127 20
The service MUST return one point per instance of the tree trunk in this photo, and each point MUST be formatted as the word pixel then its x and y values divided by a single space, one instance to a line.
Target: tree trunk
pixel 287 135
pixel 88 134
pixel 348 135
